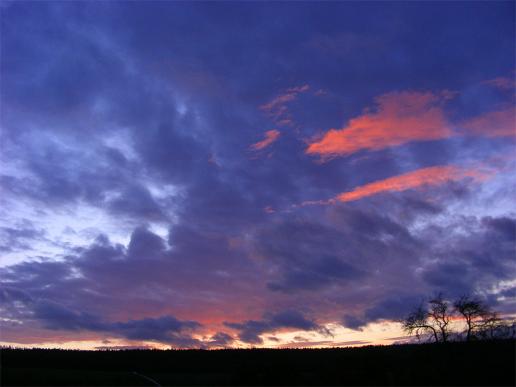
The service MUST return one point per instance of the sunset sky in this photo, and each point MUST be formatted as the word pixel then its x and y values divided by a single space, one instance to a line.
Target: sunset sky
pixel 251 174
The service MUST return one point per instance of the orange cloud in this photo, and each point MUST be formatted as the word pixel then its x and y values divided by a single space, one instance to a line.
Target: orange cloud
pixel 277 107
pixel 278 102
pixel 400 117
pixel 421 177
pixel 270 137
pixel 499 123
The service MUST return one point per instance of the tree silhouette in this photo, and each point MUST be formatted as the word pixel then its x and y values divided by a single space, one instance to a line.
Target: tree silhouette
pixel 439 315
pixel 477 315
pixel 417 322
pixel 433 318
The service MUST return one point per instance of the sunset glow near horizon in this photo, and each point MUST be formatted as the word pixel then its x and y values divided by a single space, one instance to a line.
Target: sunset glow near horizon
pixel 208 175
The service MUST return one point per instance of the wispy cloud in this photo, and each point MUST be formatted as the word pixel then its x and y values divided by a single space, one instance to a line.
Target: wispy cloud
pixel 503 83
pixel 422 177
pixel 277 108
pixel 499 123
pixel 270 137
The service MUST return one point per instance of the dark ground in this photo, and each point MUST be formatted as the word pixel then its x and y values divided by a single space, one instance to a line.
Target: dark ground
pixel 486 363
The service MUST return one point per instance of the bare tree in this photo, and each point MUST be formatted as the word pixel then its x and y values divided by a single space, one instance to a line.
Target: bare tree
pixel 432 319
pixel 477 315
pixel 491 327
pixel 495 327
pixel 417 323
pixel 439 315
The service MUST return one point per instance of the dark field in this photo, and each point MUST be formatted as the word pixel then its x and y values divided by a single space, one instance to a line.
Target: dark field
pixel 476 363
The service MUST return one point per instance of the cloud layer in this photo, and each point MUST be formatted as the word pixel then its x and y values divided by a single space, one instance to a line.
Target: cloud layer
pixel 148 201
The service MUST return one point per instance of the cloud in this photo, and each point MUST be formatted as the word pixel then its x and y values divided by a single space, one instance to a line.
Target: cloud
pixel 277 108
pixel 408 116
pixel 353 322
pixel 430 176
pixel 472 260
pixel 55 316
pixel 164 329
pixel 498 123
pixel 220 340
pixel 341 263
pixel 392 307
pixel 313 275
pixel 307 255
pixel 136 201
pixel 502 83
pixel 278 102
pixel 457 259
pixel 270 137
pixel 108 131
pixel 399 118
pixel 145 244
pixel 251 330
pixel 504 226
pixel 106 281
pixel 20 236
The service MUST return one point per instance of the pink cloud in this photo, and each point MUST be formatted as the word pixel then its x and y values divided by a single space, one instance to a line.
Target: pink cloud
pixel 399 118
pixel 500 123
pixel 277 108
pixel 416 179
pixel 403 117
pixel 270 137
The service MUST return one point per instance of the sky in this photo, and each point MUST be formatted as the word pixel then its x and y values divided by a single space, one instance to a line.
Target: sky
pixel 241 174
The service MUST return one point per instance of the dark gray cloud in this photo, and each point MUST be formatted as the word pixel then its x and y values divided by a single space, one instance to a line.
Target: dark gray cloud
pixel 136 201
pixel 318 274
pixel 20 236
pixel 54 316
pixel 471 261
pixel 466 264
pixel 164 329
pixel 393 307
pixel 353 322
pixel 311 255
pixel 220 339
pixel 251 330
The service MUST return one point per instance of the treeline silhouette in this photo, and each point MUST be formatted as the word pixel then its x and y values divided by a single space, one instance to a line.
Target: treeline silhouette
pixel 466 318
pixel 473 363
